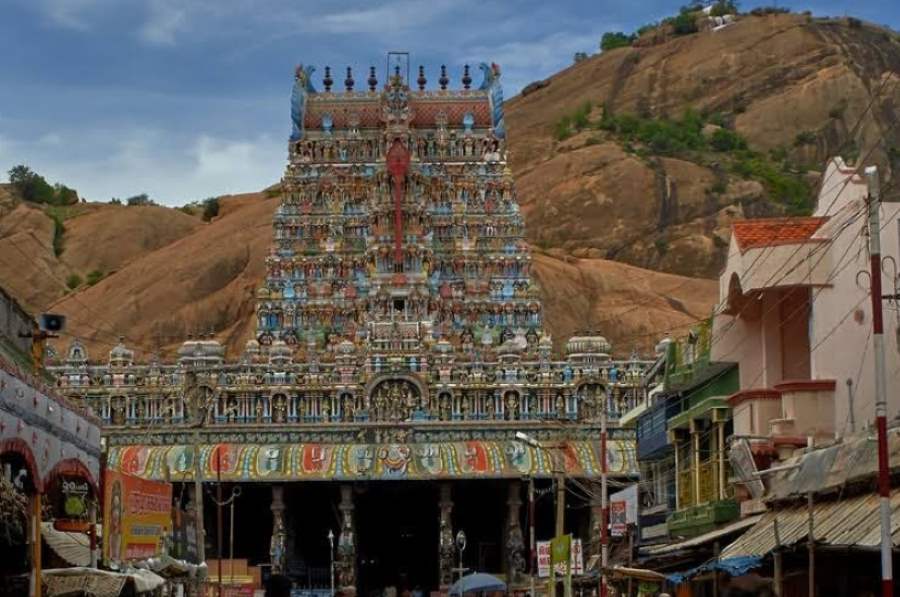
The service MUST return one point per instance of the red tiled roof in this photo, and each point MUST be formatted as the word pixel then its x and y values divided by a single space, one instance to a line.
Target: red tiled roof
pixel 752 234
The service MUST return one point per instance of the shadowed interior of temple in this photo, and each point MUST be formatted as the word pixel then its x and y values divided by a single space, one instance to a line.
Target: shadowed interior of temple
pixel 397 524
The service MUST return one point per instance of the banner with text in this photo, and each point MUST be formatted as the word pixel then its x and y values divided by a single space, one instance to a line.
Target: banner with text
pixel 577 563
pixel 137 514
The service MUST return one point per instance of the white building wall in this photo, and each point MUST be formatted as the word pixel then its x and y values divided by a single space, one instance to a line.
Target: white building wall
pixel 841 340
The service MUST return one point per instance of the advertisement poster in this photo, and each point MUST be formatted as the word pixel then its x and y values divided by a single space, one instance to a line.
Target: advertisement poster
pixel 543 556
pixel 618 519
pixel 561 555
pixel 137 513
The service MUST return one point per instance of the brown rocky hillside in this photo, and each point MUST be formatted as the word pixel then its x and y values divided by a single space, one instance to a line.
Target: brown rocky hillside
pixel 788 83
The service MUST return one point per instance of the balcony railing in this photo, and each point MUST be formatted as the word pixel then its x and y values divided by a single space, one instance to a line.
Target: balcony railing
pixel 708 483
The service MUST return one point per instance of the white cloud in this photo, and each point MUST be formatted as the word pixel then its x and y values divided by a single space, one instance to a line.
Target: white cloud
pixel 171 167
pixel 227 166
pixel 78 15
pixel 398 15
pixel 528 60
pixel 51 139
pixel 165 21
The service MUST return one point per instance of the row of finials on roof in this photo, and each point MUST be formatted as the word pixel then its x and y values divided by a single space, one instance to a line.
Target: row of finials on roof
pixel 372 81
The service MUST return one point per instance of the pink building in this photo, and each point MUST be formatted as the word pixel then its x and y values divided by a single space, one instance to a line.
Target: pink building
pixel 795 314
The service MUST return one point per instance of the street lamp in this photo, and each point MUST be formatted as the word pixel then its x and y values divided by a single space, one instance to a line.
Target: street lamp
pixel 461 546
pixel 559 471
pixel 331 558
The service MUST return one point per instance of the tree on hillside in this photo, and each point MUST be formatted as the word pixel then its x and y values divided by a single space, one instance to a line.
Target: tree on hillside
pixel 31 185
pixel 684 24
pixel 724 7
pixel 615 39
pixel 210 208
pixel 35 188
pixel 139 200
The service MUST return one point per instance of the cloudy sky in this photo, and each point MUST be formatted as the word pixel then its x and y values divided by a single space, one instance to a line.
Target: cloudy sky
pixel 183 99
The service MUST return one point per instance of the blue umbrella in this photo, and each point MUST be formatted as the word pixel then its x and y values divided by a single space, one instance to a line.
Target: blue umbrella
pixel 477 583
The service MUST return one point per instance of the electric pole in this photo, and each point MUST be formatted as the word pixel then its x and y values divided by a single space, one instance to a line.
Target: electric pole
pixel 604 498
pixel 884 481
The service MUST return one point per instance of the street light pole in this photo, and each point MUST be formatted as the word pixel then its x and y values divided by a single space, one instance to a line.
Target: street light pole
pixel 461 546
pixel 331 558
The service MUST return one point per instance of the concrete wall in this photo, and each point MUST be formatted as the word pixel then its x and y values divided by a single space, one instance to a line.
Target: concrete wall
pixel 842 314
pixel 13 321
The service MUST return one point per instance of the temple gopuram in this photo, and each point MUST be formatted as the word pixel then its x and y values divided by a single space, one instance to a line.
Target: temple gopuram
pixel 399 351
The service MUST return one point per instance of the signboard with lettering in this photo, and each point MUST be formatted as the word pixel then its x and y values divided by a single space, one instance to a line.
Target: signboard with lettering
pixel 618 519
pixel 72 497
pixel 543 554
pixel 137 514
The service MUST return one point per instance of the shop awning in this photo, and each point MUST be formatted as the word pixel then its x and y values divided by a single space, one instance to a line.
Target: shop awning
pixel 636 573
pixel 73 548
pixel 848 522
pixel 670 548
pixel 736 566
pixel 100 583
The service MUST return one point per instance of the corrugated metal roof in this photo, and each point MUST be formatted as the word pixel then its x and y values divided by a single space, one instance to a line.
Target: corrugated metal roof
pixel 831 467
pixel 658 550
pixel 851 522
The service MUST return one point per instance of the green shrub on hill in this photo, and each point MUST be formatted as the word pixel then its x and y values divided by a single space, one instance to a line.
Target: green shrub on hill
pixel 661 135
pixel 683 137
pixel 726 140
pixel 35 188
pixel 569 124
pixel 615 39
pixel 783 187
pixel 210 208
pixel 93 277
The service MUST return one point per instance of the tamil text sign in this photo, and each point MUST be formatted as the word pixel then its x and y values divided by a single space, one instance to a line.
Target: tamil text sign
pixel 577 563
pixel 137 514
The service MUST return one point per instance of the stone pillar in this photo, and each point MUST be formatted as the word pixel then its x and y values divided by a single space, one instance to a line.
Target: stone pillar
pixel 446 545
pixel 514 542
pixel 277 544
pixel 346 550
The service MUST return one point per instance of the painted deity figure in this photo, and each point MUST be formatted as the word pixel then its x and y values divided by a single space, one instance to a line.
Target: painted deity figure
pixel 302 87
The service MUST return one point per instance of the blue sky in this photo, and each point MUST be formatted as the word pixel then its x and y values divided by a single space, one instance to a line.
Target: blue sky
pixel 183 99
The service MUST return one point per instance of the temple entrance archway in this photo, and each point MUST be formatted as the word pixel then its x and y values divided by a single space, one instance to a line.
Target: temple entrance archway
pixel 398 531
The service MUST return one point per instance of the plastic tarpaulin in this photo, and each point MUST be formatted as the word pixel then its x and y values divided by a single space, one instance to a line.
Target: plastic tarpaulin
pixel 736 566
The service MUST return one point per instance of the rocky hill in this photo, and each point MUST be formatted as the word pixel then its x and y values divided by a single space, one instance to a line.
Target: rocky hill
pixel 630 166
pixel 607 167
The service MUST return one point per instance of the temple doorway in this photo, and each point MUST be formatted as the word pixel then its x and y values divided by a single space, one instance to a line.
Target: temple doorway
pixel 397 525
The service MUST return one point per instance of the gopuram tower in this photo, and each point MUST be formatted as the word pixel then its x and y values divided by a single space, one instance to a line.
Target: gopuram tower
pixel 399 387
pixel 400 226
